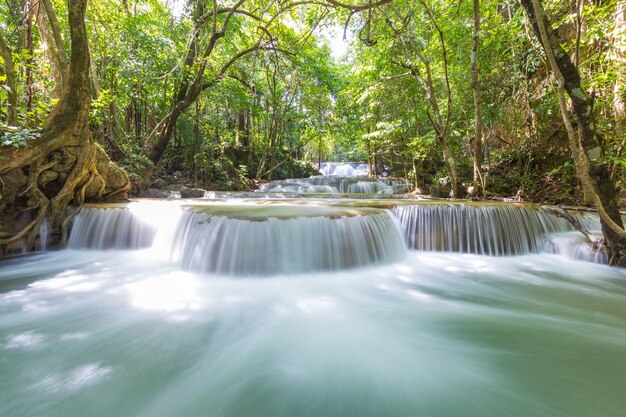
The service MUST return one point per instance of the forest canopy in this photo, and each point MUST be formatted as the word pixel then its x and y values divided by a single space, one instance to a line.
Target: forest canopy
pixel 496 98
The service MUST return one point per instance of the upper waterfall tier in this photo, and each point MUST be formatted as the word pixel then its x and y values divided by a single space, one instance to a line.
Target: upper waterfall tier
pixel 344 169
pixel 335 184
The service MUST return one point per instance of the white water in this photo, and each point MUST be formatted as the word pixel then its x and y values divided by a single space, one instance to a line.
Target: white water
pixel 252 236
pixel 497 229
pixel 349 184
pixel 347 169
pixel 43 235
pixel 369 187
pixel 309 308
pixel 207 243
pixel 114 333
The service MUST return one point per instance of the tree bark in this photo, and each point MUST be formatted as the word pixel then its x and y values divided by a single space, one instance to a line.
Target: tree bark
pixel 585 144
pixel 59 45
pixel 50 50
pixel 66 135
pixel 478 108
pixel 619 91
pixel 28 38
pixel 7 56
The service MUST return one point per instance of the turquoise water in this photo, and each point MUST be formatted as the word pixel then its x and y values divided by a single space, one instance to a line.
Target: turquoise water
pixel 118 333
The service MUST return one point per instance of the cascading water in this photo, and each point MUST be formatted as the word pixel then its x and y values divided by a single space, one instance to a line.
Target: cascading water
pixel 334 184
pixel 572 245
pixel 296 186
pixel 44 230
pixel 343 321
pixel 239 239
pixel 111 228
pixel 206 243
pixel 344 169
pixel 486 229
pixel 247 239
pixel 369 187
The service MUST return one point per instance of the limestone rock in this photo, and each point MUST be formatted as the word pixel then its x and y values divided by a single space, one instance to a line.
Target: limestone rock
pixel 174 187
pixel 159 183
pixel 156 193
pixel 187 192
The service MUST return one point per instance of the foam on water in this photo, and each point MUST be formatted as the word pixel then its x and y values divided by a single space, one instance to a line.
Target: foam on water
pixel 486 229
pixel 436 334
pixel 252 236
pixel 273 245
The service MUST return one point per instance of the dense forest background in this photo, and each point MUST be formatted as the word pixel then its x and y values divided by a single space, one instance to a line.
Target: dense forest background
pixel 456 96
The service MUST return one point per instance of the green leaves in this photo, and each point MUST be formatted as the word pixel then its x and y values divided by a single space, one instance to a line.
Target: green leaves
pixel 19 139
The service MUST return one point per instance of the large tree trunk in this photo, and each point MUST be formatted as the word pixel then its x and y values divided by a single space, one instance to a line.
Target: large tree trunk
pixel 59 57
pixel 7 56
pixel 477 144
pixel 619 91
pixel 585 144
pixel 456 190
pixel 28 38
pixel 49 47
pixel 243 136
pixel 65 153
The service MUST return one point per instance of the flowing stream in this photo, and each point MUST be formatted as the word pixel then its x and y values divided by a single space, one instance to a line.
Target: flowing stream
pixel 314 307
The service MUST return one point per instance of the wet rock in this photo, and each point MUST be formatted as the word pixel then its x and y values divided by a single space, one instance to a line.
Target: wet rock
pixel 159 183
pixel 187 192
pixel 11 185
pixel 156 193
pixel 174 187
pixel 170 179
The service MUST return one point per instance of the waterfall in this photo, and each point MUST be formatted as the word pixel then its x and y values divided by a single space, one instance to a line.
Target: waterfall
pixel 346 169
pixel 44 231
pixel 297 186
pixel 256 237
pixel 245 239
pixel 495 229
pixel 333 185
pixel 369 187
pixel 574 246
pixel 110 228
pixel 273 245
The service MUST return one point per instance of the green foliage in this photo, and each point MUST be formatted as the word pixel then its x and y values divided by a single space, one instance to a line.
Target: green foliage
pixel 287 100
pixel 20 138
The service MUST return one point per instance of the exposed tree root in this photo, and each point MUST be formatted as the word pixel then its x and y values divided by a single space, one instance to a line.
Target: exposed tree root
pixel 83 180
pixel 64 165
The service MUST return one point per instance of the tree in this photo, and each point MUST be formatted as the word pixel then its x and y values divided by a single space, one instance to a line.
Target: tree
pixel 619 91
pixel 7 59
pixel 586 145
pixel 64 150
pixel 478 107
pixel 420 67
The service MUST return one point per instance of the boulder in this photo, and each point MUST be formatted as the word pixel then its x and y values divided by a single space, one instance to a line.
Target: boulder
pixel 187 192
pixel 174 187
pixel 159 183
pixel 156 193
